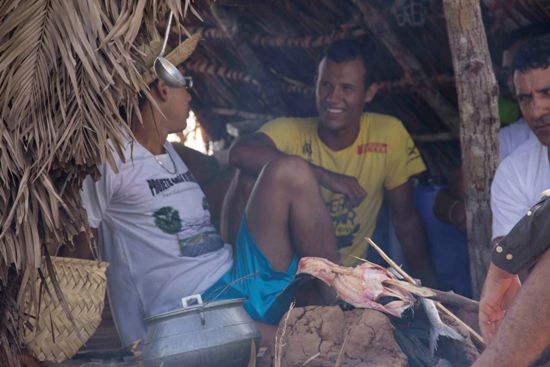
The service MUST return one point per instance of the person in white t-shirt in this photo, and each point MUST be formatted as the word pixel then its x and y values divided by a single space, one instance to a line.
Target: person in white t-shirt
pixel 511 195
pixel 153 226
pixel 449 204
pixel 513 318
pixel 521 177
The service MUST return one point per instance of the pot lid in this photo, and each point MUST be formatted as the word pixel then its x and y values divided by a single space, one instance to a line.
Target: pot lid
pixel 227 303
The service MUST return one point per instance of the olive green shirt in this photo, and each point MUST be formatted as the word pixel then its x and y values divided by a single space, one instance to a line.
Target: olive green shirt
pixel 527 241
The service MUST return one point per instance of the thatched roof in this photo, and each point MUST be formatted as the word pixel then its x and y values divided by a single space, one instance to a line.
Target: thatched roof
pixel 66 67
pixel 257 60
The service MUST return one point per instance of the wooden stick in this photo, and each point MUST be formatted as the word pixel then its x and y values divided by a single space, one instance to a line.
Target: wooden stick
pixel 475 336
pixel 437 295
pixel 456 299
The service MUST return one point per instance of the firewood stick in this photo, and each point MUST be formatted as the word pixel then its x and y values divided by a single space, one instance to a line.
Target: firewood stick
pixel 437 295
pixel 456 300
pixel 439 306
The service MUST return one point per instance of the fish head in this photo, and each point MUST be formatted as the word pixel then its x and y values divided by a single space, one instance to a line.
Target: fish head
pixel 318 267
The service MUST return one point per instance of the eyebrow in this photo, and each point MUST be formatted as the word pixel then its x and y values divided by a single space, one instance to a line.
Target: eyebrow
pixel 540 90
pixel 544 89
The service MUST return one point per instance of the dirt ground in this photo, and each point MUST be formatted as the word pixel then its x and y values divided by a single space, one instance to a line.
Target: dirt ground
pixel 321 336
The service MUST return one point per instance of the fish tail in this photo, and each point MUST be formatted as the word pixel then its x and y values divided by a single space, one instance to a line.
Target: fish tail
pixel 442 330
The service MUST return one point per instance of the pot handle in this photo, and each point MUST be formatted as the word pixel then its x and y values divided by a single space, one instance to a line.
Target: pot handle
pixel 194 297
pixel 198 299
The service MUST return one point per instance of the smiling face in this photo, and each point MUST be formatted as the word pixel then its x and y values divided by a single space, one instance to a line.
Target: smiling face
pixel 533 94
pixel 341 94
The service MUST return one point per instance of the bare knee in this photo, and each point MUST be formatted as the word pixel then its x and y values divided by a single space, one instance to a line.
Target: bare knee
pixel 290 172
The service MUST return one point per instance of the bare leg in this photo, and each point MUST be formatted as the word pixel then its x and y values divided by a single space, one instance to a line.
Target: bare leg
pixel 267 333
pixel 286 214
pixel 525 330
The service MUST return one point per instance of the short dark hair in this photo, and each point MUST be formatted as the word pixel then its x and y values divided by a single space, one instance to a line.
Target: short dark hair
pixel 533 54
pixel 351 49
pixel 142 98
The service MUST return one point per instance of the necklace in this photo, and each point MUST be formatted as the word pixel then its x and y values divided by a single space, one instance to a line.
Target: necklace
pixel 163 166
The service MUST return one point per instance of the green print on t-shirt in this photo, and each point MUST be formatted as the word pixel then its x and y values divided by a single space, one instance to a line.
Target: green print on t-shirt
pixel 168 220
pixel 204 239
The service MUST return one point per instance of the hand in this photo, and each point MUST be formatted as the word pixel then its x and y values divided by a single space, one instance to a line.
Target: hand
pixel 499 290
pixel 457 215
pixel 343 184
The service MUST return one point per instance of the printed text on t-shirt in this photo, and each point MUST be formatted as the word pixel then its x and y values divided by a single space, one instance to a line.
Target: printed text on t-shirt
pixel 159 185
pixel 372 148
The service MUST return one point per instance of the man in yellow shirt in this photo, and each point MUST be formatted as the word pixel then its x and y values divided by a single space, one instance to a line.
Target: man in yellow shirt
pixel 354 155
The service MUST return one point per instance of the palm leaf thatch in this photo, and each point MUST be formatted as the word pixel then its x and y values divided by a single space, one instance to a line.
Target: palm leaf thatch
pixel 65 69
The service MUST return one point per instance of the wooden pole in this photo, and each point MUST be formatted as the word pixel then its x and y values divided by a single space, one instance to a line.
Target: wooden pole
pixel 477 98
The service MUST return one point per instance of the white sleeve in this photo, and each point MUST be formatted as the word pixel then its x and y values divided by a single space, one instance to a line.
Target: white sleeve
pixel 96 196
pixel 507 200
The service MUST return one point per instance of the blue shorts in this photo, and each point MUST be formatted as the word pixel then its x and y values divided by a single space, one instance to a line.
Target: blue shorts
pixel 267 292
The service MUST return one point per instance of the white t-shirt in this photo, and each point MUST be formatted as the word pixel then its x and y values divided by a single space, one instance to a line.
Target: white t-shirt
pixel 519 181
pixel 155 231
pixel 512 136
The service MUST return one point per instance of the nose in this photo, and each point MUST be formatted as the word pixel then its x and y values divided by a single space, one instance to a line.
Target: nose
pixel 334 94
pixel 188 95
pixel 540 107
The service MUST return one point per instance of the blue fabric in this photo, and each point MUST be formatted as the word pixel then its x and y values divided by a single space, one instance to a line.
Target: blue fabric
pixel 448 244
pixel 267 292
pixel 381 235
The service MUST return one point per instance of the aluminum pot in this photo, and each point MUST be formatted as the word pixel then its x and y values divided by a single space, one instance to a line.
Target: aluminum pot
pixel 208 334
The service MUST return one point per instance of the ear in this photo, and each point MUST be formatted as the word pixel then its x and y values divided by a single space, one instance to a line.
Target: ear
pixel 371 92
pixel 161 90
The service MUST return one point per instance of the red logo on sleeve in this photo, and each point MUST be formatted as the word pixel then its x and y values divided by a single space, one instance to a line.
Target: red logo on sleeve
pixel 372 148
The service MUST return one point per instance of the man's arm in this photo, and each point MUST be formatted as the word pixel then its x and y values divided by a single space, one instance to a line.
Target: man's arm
pixel 251 153
pixel 449 209
pixel 411 234
pixel 519 250
pixel 523 333
pixel 498 292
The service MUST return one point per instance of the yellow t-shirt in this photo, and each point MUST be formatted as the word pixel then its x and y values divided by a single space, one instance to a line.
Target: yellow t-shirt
pixel 382 157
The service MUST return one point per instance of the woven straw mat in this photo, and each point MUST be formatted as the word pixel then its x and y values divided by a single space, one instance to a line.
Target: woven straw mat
pixel 83 285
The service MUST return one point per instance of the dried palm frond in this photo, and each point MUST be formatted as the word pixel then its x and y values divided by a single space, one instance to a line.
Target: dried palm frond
pixel 66 67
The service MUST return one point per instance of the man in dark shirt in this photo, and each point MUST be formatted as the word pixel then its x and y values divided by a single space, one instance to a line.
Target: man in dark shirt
pixel 515 319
